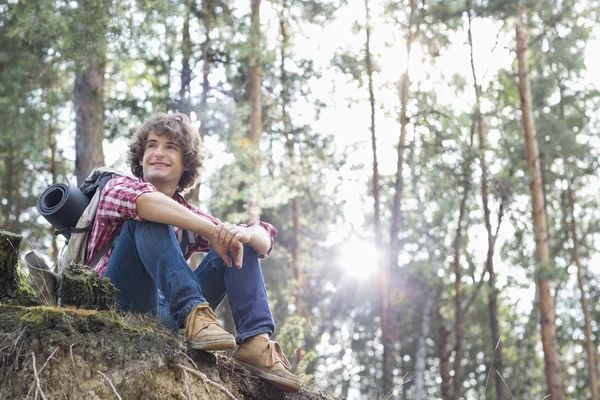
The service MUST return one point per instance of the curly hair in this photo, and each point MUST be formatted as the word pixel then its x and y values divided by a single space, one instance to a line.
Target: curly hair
pixel 177 127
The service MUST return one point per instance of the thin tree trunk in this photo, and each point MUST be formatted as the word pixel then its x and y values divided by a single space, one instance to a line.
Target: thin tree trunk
pixel 443 355
pixel 523 382
pixel 254 96
pixel 387 318
pixel 591 352
pixel 287 131
pixel 548 327
pixel 209 18
pixel 52 168
pixel 186 54
pixel 89 117
pixel 458 312
pixel 492 297
pixel 421 352
pixel 376 214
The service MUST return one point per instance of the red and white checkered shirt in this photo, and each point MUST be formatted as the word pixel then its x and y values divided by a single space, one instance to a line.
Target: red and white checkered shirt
pixel 118 204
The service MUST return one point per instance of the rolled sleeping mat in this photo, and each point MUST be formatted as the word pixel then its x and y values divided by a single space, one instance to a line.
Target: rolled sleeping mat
pixel 62 205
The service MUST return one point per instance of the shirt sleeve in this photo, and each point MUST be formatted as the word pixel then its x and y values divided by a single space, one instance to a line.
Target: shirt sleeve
pixel 270 230
pixel 119 197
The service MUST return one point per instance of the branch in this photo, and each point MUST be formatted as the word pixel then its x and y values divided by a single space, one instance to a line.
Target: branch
pixel 205 379
pixel 111 385
pixel 37 379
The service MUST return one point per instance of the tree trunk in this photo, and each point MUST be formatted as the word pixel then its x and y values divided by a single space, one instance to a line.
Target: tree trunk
pixel 421 352
pixel 548 328
pixel 387 318
pixel 254 96
pixel 443 355
pixel 290 143
pixel 492 297
pixel 591 352
pixel 376 217
pixel 458 312
pixel 186 54
pixel 89 117
pixel 209 18
pixel 52 168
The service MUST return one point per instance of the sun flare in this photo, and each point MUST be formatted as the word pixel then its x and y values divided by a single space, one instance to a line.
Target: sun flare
pixel 359 259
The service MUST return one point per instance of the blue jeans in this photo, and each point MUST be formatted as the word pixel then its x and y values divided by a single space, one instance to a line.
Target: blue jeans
pixel 147 259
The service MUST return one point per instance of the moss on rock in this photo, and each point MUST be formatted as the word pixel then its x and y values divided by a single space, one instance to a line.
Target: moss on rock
pixel 81 286
pixel 14 287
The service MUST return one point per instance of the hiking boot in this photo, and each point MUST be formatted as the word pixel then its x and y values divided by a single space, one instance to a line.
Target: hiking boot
pixel 203 331
pixel 265 359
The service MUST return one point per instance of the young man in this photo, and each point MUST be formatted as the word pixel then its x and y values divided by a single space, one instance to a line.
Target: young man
pixel 147 214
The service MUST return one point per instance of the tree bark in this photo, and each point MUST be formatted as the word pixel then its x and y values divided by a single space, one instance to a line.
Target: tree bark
pixel 443 355
pixel 254 96
pixel 591 352
pixel 290 144
pixel 548 328
pixel 458 312
pixel 421 353
pixel 492 297
pixel 89 117
pixel 376 214
pixel 387 318
pixel 209 19
pixel 186 54
pixel 52 168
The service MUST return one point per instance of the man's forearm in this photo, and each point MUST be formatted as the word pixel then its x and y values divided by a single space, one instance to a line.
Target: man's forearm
pixel 157 207
pixel 260 240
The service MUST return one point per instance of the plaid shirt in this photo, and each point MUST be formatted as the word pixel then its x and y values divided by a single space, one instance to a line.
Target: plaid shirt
pixel 118 204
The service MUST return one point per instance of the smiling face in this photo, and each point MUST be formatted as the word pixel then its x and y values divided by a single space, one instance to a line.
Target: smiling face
pixel 162 163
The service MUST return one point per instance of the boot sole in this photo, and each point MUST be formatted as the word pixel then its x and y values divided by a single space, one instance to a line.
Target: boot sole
pixel 283 384
pixel 212 345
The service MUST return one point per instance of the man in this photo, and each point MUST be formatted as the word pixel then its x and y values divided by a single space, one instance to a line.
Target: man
pixel 146 215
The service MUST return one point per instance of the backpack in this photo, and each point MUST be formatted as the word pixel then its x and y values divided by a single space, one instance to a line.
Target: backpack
pixel 75 250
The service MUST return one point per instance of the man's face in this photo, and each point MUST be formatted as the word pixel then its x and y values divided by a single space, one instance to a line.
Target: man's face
pixel 162 163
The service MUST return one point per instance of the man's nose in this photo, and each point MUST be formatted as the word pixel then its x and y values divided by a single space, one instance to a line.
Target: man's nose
pixel 158 151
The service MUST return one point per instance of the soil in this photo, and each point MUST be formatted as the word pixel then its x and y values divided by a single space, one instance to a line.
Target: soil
pixel 79 354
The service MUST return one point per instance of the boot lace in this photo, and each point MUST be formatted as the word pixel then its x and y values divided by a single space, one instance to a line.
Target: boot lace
pixel 275 355
pixel 199 319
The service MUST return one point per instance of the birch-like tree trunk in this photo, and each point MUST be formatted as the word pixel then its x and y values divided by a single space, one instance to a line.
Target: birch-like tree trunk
pixel 548 327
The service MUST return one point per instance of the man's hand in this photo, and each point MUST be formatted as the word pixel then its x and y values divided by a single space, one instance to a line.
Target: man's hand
pixel 228 237
pixel 237 252
pixel 229 234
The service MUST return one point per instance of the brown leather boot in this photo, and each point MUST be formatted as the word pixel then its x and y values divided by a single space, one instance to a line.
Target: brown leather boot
pixel 203 331
pixel 265 359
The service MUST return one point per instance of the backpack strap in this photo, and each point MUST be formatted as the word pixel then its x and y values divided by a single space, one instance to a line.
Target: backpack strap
pixel 103 250
pixel 108 245
pixel 186 240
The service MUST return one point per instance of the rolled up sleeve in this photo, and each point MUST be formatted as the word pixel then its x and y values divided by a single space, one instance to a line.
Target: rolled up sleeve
pixel 270 230
pixel 119 198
